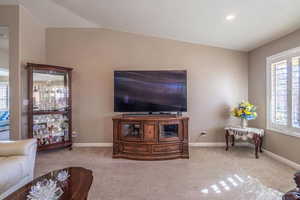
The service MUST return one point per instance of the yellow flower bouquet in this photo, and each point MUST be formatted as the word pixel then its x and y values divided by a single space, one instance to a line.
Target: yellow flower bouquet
pixel 245 110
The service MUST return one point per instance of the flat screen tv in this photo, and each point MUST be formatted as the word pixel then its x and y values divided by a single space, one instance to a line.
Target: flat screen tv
pixel 150 91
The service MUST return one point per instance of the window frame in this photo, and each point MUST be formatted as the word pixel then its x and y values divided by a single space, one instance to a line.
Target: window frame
pixel 285 55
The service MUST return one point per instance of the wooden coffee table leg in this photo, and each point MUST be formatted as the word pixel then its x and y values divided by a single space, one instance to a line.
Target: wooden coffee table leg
pixel 226 138
pixel 260 144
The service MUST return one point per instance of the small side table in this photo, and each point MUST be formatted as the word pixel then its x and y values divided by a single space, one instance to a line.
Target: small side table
pixel 247 133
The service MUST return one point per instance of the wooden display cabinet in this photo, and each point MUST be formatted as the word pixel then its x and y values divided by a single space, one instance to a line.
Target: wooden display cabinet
pixel 150 137
pixel 50 105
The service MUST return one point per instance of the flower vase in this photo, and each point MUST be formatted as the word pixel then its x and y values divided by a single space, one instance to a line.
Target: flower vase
pixel 243 123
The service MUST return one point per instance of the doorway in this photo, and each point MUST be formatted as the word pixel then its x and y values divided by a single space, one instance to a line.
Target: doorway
pixel 4 83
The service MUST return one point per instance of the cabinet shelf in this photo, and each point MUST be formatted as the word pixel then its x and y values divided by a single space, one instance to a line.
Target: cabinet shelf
pixel 49 112
pixel 49 89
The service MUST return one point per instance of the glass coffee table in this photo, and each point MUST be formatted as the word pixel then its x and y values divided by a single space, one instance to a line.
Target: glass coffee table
pixel 74 186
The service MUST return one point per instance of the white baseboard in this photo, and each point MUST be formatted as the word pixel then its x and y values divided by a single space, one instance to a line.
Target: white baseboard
pixel 216 144
pixel 282 159
pixel 107 144
pixel 207 144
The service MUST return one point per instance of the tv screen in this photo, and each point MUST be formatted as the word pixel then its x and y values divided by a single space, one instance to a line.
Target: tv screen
pixel 150 91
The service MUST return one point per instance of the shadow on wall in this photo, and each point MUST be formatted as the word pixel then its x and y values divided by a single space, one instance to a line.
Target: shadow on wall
pixel 108 127
pixel 225 112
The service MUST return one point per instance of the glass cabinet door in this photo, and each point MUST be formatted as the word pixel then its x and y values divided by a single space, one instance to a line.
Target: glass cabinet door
pixel 51 128
pixel 50 105
pixel 131 131
pixel 50 90
pixel 169 131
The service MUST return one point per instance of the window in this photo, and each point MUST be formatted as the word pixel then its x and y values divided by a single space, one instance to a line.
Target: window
pixel 4 96
pixel 283 92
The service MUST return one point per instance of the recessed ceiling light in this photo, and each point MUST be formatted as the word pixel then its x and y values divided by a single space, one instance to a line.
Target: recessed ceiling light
pixel 230 17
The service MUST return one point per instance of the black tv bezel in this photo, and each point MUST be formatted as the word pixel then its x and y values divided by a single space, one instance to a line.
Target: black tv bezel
pixel 148 111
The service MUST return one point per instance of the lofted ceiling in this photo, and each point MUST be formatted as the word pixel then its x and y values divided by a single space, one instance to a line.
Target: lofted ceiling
pixel 197 21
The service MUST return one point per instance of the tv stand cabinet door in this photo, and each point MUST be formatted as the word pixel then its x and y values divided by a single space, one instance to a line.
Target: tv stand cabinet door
pixel 150 132
pixel 131 131
pixel 170 131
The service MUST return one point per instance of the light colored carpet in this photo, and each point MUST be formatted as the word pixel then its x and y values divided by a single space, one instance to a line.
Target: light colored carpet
pixel 210 174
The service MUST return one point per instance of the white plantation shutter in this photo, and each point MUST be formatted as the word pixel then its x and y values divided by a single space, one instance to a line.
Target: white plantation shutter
pixel 279 93
pixel 296 92
pixel 284 92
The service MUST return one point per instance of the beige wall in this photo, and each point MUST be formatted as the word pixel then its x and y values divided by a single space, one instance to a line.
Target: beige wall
pixel 283 145
pixel 4 58
pixel 9 16
pixel 32 49
pixel 218 78
pixel 32 34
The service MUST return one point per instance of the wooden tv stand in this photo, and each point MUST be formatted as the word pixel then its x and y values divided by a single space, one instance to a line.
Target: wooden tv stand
pixel 157 137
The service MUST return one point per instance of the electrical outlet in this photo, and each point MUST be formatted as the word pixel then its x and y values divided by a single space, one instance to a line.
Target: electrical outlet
pixel 203 133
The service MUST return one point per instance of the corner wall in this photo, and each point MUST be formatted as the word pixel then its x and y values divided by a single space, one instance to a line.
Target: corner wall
pixel 32 49
pixel 278 143
pixel 4 58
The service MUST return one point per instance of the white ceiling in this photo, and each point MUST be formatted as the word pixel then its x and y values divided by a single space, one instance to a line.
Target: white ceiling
pixel 198 21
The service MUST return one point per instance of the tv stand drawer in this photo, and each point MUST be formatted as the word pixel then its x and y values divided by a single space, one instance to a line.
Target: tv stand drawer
pixel 166 148
pixel 135 148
